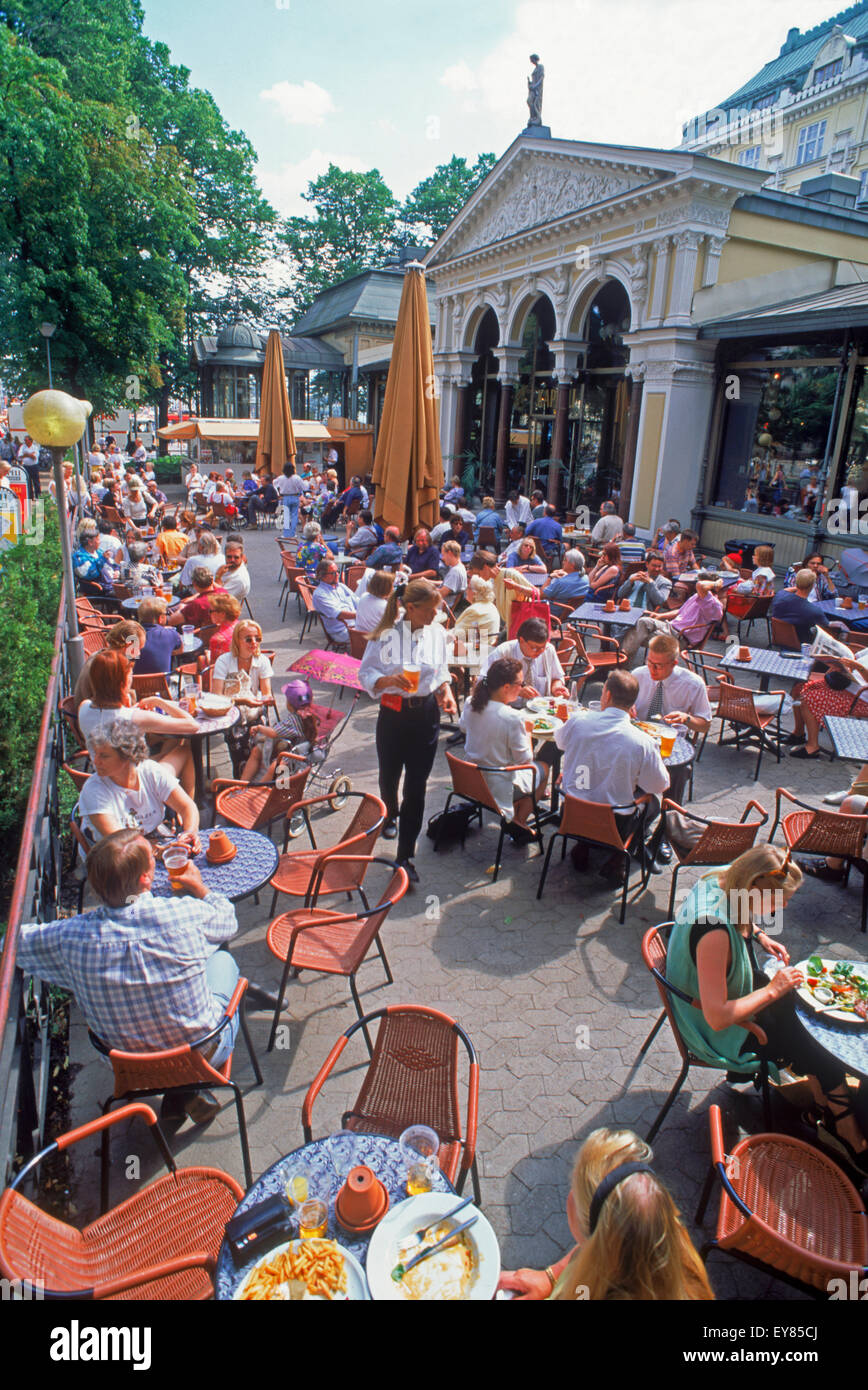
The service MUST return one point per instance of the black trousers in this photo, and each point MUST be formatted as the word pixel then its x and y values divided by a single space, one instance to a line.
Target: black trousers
pixel 407 743
pixel 793 1045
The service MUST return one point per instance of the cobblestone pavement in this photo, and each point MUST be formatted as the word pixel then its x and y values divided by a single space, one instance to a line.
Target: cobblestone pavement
pixel 553 994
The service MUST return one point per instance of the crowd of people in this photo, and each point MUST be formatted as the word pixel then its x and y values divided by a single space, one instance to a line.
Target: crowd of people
pixel 476 608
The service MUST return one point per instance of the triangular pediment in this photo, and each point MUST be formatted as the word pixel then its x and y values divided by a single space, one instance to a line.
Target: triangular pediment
pixel 537 182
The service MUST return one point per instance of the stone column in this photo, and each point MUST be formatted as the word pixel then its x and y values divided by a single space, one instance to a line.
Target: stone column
pixel 507 391
pixel 687 245
pixel 508 360
pixel 567 352
pixel 657 305
pixel 713 250
pixel 636 371
pixel 461 390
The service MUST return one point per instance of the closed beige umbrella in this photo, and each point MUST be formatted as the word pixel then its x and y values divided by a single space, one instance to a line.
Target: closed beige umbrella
pixel 408 468
pixel 276 443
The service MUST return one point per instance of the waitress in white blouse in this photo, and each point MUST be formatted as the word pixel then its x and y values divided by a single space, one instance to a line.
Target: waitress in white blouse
pixel 409 719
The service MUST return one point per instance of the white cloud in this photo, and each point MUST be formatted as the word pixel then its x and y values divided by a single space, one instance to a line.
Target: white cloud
pixel 283 187
pixel 302 103
pixel 459 78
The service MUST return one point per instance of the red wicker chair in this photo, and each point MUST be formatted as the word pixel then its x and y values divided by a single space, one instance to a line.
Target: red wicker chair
pixel 593 823
pixel 333 943
pixel 784 635
pixel 161 1243
pixel 70 719
pixel 470 786
pixel 745 609
pixel 308 874
pixel 786 1209
pixel 156 684
pixel 722 840
pixel 654 945
pixel 735 706
pixel 142 1074
pixel 311 617
pixel 412 1078
pixel 291 574
pixel 811 830
pixel 251 807
pixel 93 640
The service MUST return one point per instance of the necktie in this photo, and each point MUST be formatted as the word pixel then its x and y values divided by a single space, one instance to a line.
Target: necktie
pixel 656 706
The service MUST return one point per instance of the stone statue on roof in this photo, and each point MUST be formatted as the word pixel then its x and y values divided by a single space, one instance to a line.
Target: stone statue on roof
pixel 535 91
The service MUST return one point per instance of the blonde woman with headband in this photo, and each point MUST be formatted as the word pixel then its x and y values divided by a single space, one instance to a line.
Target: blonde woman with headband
pixel 631 1242
pixel 405 668
pixel 711 957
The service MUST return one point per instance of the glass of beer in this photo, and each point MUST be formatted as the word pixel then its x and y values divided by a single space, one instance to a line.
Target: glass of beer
pixel 192 691
pixel 412 674
pixel 313 1219
pixel 176 859
pixel 667 743
pixel 420 1146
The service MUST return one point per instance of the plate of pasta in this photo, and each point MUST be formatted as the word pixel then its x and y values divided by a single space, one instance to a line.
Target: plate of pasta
pixel 304 1271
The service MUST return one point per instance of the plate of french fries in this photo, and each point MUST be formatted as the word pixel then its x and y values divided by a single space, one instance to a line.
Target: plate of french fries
pixel 304 1271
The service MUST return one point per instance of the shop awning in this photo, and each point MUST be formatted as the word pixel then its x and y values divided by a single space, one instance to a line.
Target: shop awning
pixel 238 430
pixel 844 306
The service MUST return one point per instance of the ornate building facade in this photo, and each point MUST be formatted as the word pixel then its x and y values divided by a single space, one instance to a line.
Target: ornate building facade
pixel 575 292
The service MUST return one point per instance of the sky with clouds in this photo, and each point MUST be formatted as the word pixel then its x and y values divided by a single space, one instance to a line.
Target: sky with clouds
pixel 401 86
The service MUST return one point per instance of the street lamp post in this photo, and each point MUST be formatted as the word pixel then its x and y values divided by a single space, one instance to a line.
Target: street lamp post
pixel 57 420
pixel 47 331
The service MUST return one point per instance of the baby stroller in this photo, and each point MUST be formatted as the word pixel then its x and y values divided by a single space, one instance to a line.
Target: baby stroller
pixel 326 776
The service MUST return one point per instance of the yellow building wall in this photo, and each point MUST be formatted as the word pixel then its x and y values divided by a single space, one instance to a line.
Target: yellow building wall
pixel 649 457
pixel 743 259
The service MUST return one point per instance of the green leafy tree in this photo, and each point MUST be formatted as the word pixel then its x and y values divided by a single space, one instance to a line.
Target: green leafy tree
pixel 130 208
pixel 435 201
pixel 354 227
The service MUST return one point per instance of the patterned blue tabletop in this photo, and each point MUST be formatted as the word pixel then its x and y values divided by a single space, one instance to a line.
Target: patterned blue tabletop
pixel 380 1154
pixel 252 867
pixel 765 661
pixel 130 605
pixel 596 613
pixel 847 1042
pixel 216 726
pixel 849 737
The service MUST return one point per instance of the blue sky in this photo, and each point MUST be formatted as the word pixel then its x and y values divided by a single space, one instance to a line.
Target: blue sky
pixel 402 86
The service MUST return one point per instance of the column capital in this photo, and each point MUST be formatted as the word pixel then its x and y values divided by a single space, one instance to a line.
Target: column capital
pixel 456 367
pixel 567 352
pixel 508 359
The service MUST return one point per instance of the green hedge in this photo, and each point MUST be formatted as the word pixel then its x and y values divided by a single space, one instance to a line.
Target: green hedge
pixel 30 581
pixel 168 469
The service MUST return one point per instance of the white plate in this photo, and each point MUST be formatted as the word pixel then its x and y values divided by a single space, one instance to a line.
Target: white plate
pixel 357 1284
pixel 822 1010
pixel 408 1216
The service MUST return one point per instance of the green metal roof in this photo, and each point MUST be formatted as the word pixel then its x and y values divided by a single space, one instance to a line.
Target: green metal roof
pixel 373 296
pixel 796 58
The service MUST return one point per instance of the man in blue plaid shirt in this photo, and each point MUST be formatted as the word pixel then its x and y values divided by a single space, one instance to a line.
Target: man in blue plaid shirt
pixel 146 971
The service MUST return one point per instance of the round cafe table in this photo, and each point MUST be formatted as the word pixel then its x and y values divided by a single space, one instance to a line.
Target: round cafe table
pixel 207 727
pixel 377 1152
pixel 848 1043
pixel 130 605
pixel 250 870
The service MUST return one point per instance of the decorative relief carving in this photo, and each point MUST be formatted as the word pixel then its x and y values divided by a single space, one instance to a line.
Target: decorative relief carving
pixel 694 212
pixel 542 194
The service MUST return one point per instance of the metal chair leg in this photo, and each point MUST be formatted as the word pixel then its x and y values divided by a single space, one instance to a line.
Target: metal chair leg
pixel 383 958
pixel 360 1011
pixel 242 1132
pixel 651 1036
pixel 245 1029
pixel 707 1188
pixel 278 1009
pixel 547 861
pixel 669 1102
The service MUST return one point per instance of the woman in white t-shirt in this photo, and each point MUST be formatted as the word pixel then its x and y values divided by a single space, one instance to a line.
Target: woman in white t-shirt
pixel 455 579
pixel 129 790
pixel 111 680
pixel 372 604
pixel 244 674
pixel 496 737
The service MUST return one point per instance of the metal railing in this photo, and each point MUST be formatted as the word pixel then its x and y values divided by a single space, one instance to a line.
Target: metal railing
pixel 24 1013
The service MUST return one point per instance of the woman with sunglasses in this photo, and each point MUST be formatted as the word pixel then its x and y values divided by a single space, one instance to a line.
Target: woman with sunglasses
pixel 244 674
pixel 711 957
pixel 408 639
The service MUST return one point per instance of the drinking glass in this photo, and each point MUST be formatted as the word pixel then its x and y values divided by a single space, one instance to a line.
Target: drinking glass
pixel 420 1146
pixel 175 859
pixel 342 1151
pixel 313 1219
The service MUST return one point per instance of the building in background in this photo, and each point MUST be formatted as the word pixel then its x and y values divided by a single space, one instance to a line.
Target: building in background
pixel 804 113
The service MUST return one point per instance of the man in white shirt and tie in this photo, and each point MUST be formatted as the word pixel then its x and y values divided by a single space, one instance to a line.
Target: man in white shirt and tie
pixel 608 760
pixel 670 694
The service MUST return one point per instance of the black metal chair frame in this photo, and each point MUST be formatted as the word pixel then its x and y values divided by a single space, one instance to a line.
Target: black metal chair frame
pixel 480 806
pixel 690 1060
pixel 636 828
pixel 209 1085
